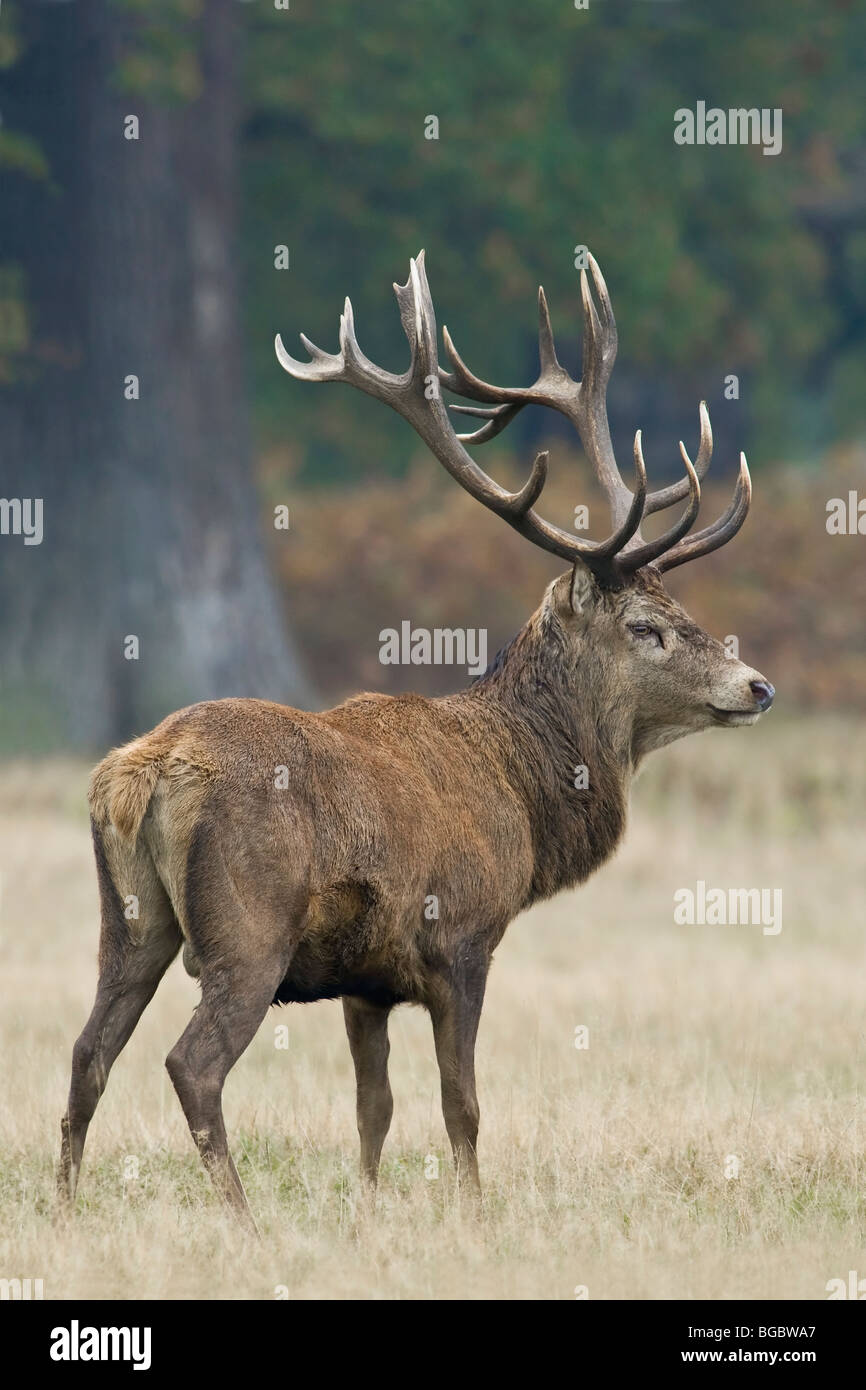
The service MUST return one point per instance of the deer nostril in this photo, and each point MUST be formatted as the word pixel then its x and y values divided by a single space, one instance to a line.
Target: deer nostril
pixel 763 693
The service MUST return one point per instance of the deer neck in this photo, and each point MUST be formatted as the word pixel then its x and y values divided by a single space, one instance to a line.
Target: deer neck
pixel 567 752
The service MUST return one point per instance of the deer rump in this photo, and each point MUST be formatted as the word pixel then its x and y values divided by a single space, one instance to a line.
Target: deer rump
pixel 368 850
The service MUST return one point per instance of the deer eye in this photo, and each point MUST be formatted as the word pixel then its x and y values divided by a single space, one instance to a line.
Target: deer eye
pixel 645 630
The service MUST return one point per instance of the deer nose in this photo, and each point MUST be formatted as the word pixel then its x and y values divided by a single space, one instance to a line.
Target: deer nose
pixel 763 693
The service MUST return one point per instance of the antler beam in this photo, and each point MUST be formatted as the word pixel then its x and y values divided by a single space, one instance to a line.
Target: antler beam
pixel 415 394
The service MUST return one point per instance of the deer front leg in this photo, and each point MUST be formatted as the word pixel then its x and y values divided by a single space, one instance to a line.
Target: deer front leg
pixel 455 1008
pixel 367 1029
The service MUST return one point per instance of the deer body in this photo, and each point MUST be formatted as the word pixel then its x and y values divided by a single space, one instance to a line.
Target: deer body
pixel 386 802
pixel 376 852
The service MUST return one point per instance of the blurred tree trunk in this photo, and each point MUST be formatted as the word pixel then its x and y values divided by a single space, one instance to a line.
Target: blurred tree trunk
pixel 151 523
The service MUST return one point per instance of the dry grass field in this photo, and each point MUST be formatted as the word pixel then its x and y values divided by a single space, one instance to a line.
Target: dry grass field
pixel 604 1167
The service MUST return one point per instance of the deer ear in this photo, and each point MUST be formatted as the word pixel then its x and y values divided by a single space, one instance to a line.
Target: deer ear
pixel 582 590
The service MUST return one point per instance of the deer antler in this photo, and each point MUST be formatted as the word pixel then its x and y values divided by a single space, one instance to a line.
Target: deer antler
pixel 416 396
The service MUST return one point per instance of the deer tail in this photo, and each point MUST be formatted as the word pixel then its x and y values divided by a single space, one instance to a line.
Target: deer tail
pixel 122 785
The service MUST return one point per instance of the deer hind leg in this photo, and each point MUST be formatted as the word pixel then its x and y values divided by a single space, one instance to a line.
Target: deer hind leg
pixel 134 954
pixel 243 924
pixel 367 1029
pixel 455 1008
pixel 234 1002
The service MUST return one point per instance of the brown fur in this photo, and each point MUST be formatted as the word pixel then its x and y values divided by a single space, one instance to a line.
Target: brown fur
pixel 323 888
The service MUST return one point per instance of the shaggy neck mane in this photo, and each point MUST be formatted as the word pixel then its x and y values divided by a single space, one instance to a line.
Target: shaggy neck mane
pixel 555 718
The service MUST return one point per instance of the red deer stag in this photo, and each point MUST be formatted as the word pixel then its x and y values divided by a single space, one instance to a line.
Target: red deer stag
pixel 317 889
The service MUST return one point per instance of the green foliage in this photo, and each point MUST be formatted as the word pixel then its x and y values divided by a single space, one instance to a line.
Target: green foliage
pixel 556 129
pixel 160 59
pixel 22 155
pixel 19 153
pixel 10 37
pixel 14 319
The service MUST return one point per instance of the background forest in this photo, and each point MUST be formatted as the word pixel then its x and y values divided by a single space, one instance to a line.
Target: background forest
pixel 304 128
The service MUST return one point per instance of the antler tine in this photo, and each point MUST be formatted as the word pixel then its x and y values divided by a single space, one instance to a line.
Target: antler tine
pixel 462 382
pixel 548 360
pixel 511 400
pixel 649 550
pixel 720 532
pixel 349 364
pixel 500 416
pixel 325 366
pixel 600 342
pixel 666 496
pixel 497 417
pixel 623 534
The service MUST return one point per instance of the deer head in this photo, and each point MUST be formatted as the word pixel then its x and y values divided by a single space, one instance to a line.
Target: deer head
pixel 611 611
